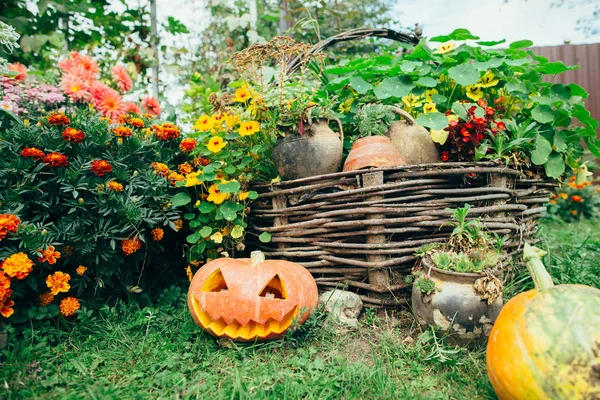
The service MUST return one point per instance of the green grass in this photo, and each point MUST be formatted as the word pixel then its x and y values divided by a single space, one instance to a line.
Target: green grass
pixel 129 352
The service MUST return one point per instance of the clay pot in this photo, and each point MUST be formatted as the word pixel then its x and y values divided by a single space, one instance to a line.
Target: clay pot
pixel 412 141
pixel 373 152
pixel 455 307
pixel 316 152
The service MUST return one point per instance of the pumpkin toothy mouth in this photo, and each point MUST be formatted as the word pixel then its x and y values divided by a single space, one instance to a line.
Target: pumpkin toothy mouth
pixel 252 330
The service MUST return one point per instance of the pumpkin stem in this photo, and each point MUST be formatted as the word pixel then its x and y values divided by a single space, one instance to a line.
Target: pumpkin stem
pixel 257 257
pixel 533 259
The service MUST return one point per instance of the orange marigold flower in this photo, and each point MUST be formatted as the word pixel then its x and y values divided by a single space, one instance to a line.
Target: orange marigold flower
pixel 49 255
pixel 17 265
pixel 81 270
pixel 577 199
pixel 6 308
pixel 178 224
pixel 573 212
pixel 32 152
pixel 160 168
pixel 175 177
pixel 580 185
pixel 56 159
pixel 101 167
pixel 58 282
pixel 5 291
pixel 69 305
pixel 131 245
pixel 8 223
pixel 201 161
pixel 157 234
pixel 46 298
pixel 185 168
pixel 188 145
pixel 68 250
pixel 73 135
pixel 122 131
pixel 148 116
pixel 552 201
pixel 115 186
pixel 58 119
pixel 136 122
pixel 166 131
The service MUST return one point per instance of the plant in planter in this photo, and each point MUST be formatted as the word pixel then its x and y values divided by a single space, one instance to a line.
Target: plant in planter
pixel 467 294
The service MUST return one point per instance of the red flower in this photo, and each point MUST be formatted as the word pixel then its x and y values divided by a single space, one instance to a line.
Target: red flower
pixel 101 167
pixel 445 156
pixel 482 102
pixel 151 105
pixel 501 125
pixel 56 160
pixel 49 255
pixel 32 152
pixel 577 199
pixel 188 145
pixel 73 135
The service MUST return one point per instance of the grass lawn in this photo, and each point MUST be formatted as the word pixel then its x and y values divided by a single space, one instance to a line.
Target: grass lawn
pixel 128 352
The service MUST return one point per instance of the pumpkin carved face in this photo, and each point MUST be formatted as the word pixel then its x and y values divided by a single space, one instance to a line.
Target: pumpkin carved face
pixel 251 299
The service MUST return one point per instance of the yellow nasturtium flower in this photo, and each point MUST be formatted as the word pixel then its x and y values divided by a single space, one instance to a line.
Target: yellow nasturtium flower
pixel 346 106
pixel 429 93
pixel 429 107
pixel 488 80
pixel 474 92
pixel 249 128
pixel 410 100
pixel 215 195
pixel 231 120
pixel 445 48
pixel 217 237
pixel 242 94
pixel 204 123
pixel 244 195
pixel 192 179
pixel 216 144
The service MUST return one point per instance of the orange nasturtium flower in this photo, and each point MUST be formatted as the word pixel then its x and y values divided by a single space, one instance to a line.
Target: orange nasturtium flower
pixel 249 128
pixel 58 282
pixel 17 265
pixel 564 195
pixel 49 255
pixel 69 305
pixel 215 195
pixel 216 144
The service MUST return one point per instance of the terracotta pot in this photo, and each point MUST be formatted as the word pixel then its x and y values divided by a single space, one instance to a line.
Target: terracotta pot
pixel 412 141
pixel 373 151
pixel 317 152
pixel 455 307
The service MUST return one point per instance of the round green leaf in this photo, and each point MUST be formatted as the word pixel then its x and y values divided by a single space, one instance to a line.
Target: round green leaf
pixel 193 238
pixel 231 187
pixel 543 113
pixel 427 82
pixel 542 151
pixel 265 237
pixel 180 199
pixel 360 85
pixel 555 166
pixel 206 231
pixel 229 210
pixel 237 232
pixel 393 87
pixel 433 120
pixel 464 74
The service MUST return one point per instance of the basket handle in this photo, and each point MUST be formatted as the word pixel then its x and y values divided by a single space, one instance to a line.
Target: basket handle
pixel 409 119
pixel 352 34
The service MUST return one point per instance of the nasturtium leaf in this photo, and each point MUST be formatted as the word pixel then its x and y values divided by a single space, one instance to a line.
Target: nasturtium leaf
pixel 593 145
pixel 517 61
pixel 542 100
pixel 237 232
pixel 439 135
pixel 393 87
pixel 206 231
pixel 427 82
pixel 193 238
pixel 180 199
pixel 562 118
pixel 189 216
pixel 584 116
pixel 198 249
pixel 195 224
pixel 433 120
pixel 252 195
pixel 265 237
pixel 555 166
pixel 229 210
pixel 542 151
pixel 543 113
pixel 457 34
pixel 230 187
pixel 491 43
pixel 230 169
pixel 360 85
pixel 555 67
pixel 464 74
pixel 560 141
pixel 561 91
pixel 577 90
pixel 516 87
pixel 520 44
pixel 410 66
pixel 206 207
pixel 439 98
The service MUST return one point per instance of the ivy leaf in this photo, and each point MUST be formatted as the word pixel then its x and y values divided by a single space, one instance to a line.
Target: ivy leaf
pixel 206 231
pixel 229 210
pixel 520 44
pixel 180 199
pixel 555 67
pixel 555 166
pixel 464 74
pixel 360 85
pixel 433 120
pixel 231 187
pixel 193 238
pixel 393 87
pixel 543 114
pixel 427 82
pixel 542 151
pixel 265 237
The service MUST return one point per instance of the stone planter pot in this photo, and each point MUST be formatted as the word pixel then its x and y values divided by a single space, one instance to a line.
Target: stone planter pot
pixel 455 307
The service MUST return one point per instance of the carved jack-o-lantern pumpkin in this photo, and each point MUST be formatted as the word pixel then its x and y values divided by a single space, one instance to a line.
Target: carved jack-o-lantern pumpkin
pixel 251 299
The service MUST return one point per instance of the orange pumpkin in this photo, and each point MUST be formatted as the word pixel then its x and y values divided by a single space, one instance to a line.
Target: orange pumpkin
pixel 545 343
pixel 251 299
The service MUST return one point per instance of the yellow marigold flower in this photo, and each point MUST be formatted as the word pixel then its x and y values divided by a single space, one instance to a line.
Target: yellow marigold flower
pixel 157 234
pixel 178 224
pixel 192 179
pixel 215 195
pixel 242 94
pixel 410 100
pixel 474 92
pixel 217 237
pixel 49 255
pixel 175 177
pixel 563 195
pixel 115 186
pixel 429 93
pixel 488 80
pixel 216 144
pixel 185 168
pixel 445 48
pixel 204 123
pixel 46 298
pixel 130 245
pixel 6 308
pixel 249 128
pixel 81 270
pixel 244 195
pixel 69 305
pixel 58 282
pixel 17 265
pixel 429 107
pixel 189 273
pixel 231 120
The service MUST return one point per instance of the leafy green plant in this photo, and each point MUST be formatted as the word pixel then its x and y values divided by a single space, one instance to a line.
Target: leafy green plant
pixel 374 119
pixel 425 285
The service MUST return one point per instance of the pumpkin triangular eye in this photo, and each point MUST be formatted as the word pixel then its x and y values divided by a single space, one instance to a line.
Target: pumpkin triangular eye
pixel 215 283
pixel 275 289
